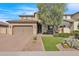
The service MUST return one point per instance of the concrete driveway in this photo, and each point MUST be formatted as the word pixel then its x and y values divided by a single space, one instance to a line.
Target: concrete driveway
pixel 14 43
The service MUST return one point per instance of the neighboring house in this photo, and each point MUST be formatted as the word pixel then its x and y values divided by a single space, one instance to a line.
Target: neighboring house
pixel 30 24
pixel 3 27
pixel 70 23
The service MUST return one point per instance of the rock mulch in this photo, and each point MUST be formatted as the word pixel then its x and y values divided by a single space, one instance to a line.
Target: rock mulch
pixel 61 48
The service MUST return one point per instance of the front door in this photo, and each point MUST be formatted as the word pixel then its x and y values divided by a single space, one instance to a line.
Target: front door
pixel 39 28
pixel 50 29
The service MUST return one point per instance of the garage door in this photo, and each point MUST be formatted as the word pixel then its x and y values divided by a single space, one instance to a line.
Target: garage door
pixel 22 30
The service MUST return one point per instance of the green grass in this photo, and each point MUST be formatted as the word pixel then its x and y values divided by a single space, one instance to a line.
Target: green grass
pixel 50 42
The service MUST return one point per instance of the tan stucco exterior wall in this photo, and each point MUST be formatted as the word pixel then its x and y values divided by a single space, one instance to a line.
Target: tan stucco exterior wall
pixel 68 30
pixel 9 30
pixel 76 25
pixel 65 30
pixel 34 29
pixel 3 30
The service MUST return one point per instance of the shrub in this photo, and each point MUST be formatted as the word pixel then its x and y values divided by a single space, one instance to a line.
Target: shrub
pixel 35 38
pixel 66 35
pixel 76 34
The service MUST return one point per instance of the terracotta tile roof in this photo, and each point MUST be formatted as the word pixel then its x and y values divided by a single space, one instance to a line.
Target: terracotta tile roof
pixel 75 13
pixel 26 21
pixel 67 14
pixel 26 15
pixel 72 14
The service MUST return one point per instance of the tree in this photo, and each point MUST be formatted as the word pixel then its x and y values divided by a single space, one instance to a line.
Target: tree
pixel 51 14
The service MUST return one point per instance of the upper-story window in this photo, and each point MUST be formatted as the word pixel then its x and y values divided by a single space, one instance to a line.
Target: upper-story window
pixel 24 17
pixel 66 17
pixel 63 17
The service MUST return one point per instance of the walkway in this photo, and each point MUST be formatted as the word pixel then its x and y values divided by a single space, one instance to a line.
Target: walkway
pixel 35 45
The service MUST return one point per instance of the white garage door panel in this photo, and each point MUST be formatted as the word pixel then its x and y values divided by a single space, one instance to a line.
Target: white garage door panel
pixel 24 30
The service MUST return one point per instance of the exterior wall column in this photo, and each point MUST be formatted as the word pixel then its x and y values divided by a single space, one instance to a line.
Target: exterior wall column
pixel 35 29
pixel 10 29
pixel 76 25
pixel 44 28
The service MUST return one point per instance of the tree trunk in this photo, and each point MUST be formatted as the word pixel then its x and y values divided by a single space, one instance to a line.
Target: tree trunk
pixel 55 29
pixel 44 28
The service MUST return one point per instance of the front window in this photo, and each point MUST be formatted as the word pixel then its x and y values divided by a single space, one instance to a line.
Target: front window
pixel 66 17
pixel 50 27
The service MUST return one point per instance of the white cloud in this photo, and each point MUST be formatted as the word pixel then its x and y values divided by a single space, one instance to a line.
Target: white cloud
pixel 25 10
pixel 13 13
pixel 20 10
pixel 5 17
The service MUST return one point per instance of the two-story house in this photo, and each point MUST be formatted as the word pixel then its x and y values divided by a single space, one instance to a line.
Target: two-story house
pixel 31 25
pixel 26 25
pixel 70 23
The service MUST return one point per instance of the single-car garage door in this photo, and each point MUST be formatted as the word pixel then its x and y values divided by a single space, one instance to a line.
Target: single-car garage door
pixel 23 30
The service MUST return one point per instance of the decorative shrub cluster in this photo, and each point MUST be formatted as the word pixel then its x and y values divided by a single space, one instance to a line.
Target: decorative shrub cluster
pixel 76 34
pixel 62 35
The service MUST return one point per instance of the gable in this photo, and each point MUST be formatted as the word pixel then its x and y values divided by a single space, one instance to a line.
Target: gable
pixel 75 16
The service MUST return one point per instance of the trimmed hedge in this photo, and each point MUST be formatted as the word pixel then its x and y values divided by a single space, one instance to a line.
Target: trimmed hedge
pixel 65 35
pixel 73 33
pixel 76 32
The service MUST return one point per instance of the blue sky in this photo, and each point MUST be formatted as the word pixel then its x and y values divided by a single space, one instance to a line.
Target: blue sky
pixel 72 8
pixel 10 11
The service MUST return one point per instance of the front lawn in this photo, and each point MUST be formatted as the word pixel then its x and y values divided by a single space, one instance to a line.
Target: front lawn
pixel 50 42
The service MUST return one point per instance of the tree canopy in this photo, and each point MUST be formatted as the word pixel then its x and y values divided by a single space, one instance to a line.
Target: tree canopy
pixel 51 14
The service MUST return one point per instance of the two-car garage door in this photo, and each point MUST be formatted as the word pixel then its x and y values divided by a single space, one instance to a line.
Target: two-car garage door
pixel 23 30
